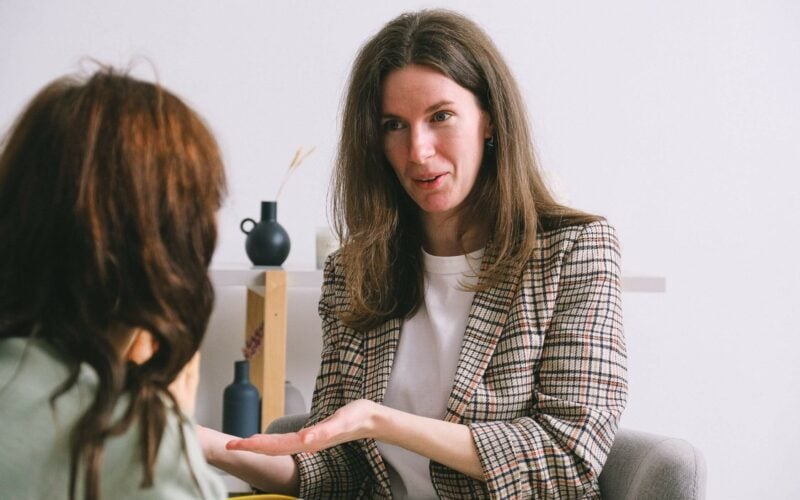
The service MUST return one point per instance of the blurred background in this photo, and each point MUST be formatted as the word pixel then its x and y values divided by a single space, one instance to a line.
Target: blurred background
pixel 679 121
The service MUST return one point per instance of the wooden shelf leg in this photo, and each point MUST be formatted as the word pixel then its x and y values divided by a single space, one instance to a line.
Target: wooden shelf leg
pixel 268 365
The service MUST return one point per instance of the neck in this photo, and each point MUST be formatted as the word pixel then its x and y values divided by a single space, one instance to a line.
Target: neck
pixel 441 236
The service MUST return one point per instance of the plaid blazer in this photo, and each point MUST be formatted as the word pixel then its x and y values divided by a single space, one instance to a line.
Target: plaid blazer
pixel 541 378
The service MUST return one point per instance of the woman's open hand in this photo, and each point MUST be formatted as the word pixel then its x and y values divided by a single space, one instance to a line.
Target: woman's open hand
pixel 355 420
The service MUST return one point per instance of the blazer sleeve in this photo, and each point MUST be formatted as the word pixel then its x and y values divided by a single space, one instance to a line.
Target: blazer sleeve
pixel 340 471
pixel 580 387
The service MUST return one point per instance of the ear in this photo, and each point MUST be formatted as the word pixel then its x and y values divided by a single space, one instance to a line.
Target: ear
pixel 141 348
pixel 488 127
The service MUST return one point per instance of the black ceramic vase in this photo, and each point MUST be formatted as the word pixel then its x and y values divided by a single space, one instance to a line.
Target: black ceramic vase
pixel 267 241
pixel 241 404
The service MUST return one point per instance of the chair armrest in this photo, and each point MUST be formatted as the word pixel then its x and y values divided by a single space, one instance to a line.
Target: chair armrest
pixel 643 465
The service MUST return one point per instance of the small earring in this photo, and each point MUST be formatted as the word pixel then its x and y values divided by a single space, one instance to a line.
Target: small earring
pixel 490 142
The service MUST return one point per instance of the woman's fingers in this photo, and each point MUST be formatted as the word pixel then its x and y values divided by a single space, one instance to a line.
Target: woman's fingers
pixel 269 444
pixel 321 436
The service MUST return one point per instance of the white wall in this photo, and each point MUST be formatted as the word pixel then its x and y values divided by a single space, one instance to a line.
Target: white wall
pixel 679 120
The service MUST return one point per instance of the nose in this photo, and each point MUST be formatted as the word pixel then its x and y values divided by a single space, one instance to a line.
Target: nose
pixel 421 145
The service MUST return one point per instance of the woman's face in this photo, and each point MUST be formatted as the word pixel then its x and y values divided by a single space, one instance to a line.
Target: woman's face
pixel 433 136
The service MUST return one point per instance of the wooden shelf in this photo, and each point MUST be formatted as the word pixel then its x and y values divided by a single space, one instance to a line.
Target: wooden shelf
pixel 253 278
pixel 647 284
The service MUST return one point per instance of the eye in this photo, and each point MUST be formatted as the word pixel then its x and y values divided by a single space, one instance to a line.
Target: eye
pixel 441 116
pixel 391 125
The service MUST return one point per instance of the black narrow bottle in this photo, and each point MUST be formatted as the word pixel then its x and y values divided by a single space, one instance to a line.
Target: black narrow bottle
pixel 241 408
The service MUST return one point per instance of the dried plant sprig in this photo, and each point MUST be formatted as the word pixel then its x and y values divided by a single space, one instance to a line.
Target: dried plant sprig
pixel 299 156
pixel 253 343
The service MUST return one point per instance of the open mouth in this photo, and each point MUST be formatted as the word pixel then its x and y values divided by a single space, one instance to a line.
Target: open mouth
pixel 431 180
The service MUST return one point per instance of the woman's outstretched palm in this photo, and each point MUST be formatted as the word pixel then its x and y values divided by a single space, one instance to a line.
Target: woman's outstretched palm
pixel 349 423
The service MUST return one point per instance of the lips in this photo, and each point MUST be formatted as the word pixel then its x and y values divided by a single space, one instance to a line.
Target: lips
pixel 429 177
pixel 430 181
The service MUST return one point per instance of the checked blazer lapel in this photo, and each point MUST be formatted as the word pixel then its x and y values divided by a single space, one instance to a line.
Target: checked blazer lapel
pixel 380 346
pixel 485 324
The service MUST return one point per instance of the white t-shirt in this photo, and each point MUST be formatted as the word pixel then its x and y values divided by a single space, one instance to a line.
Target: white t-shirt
pixel 425 363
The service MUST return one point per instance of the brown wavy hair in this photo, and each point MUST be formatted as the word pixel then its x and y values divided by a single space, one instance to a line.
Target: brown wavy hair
pixel 377 222
pixel 109 188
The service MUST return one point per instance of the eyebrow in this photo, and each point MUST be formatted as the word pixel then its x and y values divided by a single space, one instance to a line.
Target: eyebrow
pixel 429 109
pixel 438 105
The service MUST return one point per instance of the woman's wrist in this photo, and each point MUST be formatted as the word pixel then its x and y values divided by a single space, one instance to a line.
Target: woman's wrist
pixel 382 423
pixel 210 442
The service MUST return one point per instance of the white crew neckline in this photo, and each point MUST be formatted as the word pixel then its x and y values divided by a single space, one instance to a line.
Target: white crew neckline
pixel 453 264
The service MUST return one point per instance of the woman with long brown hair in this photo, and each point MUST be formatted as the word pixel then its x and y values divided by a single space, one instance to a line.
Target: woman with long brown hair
pixel 472 328
pixel 109 188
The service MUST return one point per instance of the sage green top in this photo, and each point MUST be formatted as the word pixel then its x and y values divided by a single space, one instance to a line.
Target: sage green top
pixel 34 438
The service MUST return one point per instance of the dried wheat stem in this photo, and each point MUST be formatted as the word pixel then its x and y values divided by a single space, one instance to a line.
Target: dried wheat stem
pixel 298 158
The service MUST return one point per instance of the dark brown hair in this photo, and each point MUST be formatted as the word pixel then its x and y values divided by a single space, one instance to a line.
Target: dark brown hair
pixel 109 188
pixel 375 219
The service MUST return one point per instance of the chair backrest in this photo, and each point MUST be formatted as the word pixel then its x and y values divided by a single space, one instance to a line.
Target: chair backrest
pixel 643 465
pixel 640 465
pixel 287 423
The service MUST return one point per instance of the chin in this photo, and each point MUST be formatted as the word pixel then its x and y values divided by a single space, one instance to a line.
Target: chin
pixel 435 206
pixel 437 209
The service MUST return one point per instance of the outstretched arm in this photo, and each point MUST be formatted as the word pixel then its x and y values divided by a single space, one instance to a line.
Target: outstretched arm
pixel 443 442
pixel 275 474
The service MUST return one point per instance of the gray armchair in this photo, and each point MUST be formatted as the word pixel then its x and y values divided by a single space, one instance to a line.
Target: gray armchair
pixel 640 465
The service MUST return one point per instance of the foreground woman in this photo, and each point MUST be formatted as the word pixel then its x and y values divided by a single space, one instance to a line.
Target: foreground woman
pixel 109 189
